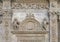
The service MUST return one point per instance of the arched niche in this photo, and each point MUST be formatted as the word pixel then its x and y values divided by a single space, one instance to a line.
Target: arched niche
pixel 31 24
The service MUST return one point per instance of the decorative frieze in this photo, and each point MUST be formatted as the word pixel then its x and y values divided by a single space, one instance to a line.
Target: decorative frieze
pixel 29 6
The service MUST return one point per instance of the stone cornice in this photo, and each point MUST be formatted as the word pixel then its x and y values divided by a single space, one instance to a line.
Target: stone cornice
pixel 29 32
pixel 31 1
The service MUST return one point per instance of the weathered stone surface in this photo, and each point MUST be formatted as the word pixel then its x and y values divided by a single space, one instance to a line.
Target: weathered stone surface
pixel 22 21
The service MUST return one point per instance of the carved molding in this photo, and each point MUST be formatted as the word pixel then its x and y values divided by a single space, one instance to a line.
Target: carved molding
pixel 29 6
pixel 29 32
pixel 31 1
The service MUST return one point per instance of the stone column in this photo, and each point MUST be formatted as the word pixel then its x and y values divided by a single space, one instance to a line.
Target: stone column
pixel 7 25
pixel 59 27
pixel 53 27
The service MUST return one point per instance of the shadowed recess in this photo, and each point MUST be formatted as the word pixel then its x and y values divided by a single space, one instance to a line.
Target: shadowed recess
pixel 1 1
pixel 13 0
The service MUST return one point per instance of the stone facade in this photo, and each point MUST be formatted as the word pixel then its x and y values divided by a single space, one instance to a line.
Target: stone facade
pixel 30 26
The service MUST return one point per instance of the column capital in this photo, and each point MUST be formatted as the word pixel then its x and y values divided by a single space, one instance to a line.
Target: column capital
pixel 53 12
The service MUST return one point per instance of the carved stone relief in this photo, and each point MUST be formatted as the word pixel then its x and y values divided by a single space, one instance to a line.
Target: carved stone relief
pixel 29 6
pixel 29 30
pixel 16 24
pixel 53 26
pixel 29 23
pixel 45 24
